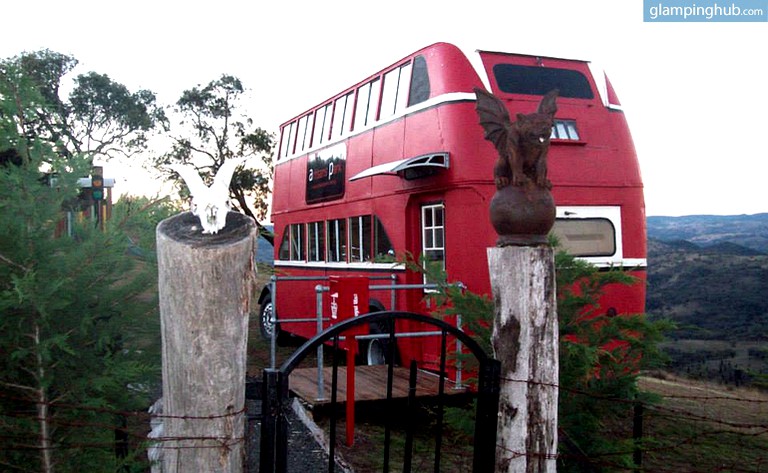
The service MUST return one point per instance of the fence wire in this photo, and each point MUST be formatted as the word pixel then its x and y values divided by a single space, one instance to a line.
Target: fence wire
pixel 691 427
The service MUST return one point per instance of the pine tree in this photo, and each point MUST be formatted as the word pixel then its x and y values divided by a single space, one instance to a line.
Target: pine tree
pixel 78 321
pixel 601 357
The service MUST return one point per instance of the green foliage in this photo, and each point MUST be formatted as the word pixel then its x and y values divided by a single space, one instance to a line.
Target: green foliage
pixel 78 321
pixel 138 217
pixel 453 299
pixel 600 356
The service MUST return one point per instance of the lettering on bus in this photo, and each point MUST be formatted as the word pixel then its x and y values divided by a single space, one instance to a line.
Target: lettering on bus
pixel 325 174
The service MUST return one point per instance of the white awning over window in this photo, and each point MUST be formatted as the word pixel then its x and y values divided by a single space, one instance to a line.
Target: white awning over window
pixel 424 162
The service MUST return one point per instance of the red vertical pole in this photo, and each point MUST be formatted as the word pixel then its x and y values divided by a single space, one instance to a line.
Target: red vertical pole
pixel 350 390
pixel 350 297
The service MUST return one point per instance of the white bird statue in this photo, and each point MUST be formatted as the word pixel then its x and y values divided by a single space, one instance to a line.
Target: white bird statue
pixel 209 204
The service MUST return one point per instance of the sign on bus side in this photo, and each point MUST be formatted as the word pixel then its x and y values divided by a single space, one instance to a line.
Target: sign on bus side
pixel 325 174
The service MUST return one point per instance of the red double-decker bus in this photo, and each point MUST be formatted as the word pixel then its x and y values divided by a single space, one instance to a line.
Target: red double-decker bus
pixel 398 163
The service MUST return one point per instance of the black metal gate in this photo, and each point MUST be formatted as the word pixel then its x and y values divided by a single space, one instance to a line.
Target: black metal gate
pixel 274 429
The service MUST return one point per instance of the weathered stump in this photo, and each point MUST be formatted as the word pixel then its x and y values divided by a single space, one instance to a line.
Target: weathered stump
pixel 525 341
pixel 205 285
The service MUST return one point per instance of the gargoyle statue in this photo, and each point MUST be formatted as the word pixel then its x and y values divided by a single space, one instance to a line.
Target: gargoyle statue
pixel 522 145
pixel 209 204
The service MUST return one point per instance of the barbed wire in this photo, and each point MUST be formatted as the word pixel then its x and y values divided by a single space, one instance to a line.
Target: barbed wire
pixel 711 426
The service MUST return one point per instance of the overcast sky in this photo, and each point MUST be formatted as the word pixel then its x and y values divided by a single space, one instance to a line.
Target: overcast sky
pixel 695 94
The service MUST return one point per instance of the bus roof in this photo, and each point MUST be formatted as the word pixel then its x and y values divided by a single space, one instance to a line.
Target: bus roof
pixel 475 58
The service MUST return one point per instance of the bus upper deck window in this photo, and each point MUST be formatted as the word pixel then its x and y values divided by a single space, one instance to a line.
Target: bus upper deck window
pixel 532 80
pixel 367 104
pixel 288 139
pixel 394 97
pixel 342 112
pixel 565 130
pixel 304 134
pixel 420 88
pixel 322 125
pixel 586 236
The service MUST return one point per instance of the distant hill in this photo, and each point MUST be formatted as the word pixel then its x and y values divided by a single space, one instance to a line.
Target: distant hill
pixel 709 273
pixel 265 251
pixel 712 292
pixel 750 231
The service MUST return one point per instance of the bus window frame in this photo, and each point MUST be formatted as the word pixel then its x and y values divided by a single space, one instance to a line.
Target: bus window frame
pixel 423 229
pixel 602 212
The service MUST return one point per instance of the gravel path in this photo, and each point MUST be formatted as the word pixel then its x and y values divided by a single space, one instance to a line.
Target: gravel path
pixel 305 454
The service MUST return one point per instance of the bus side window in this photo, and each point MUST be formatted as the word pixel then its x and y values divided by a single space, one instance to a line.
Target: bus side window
pixel 385 252
pixel 360 238
pixel 586 236
pixel 304 134
pixel 322 124
pixel 367 104
pixel 420 88
pixel 316 234
pixel 342 112
pixel 297 242
pixel 395 95
pixel 285 245
pixel 288 137
pixel 337 240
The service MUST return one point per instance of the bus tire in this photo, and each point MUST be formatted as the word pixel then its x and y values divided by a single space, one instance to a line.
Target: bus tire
pixel 266 313
pixel 376 350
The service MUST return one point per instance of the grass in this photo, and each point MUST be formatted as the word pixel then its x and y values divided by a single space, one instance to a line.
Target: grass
pixel 704 427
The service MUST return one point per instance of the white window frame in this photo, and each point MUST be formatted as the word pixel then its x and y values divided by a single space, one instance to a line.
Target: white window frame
pixel 607 212
pixel 434 229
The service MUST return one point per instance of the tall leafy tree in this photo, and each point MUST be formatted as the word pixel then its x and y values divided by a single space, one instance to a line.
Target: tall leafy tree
pixel 77 345
pixel 99 117
pixel 216 130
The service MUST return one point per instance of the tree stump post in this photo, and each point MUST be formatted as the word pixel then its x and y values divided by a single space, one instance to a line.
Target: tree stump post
pixel 525 341
pixel 205 287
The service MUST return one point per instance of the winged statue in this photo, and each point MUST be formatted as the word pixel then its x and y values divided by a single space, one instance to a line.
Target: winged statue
pixel 522 145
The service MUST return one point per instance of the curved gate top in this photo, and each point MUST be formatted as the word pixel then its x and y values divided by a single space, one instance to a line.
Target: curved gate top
pixel 274 430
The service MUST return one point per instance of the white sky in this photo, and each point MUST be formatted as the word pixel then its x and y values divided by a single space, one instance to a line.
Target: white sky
pixel 695 94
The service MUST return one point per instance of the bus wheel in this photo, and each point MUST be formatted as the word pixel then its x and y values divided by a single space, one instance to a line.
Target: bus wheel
pixel 376 350
pixel 266 313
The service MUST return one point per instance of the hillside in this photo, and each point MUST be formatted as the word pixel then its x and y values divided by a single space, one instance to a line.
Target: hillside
pixel 265 251
pixel 714 292
pixel 750 231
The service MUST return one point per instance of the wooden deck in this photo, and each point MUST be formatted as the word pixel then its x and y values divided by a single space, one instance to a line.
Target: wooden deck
pixel 370 384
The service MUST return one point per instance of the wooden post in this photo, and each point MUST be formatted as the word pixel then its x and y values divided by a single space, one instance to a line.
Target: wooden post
pixel 205 286
pixel 525 340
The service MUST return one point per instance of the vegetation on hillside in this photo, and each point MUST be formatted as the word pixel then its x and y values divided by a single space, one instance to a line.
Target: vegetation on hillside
pixel 715 295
